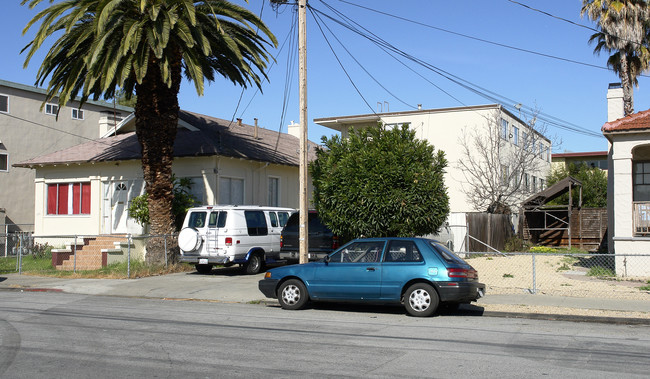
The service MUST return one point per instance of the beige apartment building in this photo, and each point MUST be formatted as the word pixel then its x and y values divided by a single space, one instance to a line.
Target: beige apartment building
pixel 29 129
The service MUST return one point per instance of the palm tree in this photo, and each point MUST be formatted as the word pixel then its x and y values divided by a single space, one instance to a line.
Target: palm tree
pixel 143 47
pixel 623 26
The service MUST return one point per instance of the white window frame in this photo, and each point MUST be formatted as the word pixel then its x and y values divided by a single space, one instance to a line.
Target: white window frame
pixel 515 135
pixel 5 169
pixel 273 202
pixel 230 200
pixel 51 109
pixel 8 105
pixel 79 114
pixel 504 129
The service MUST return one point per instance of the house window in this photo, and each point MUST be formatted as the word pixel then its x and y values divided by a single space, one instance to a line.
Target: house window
pixel 641 181
pixel 541 184
pixel 527 182
pixel 4 162
pixel 515 135
pixel 534 183
pixel 505 172
pixel 274 192
pixel 4 103
pixel 51 109
pixel 68 198
pixel 504 129
pixel 524 140
pixel 541 151
pixel 231 191
pixel 77 114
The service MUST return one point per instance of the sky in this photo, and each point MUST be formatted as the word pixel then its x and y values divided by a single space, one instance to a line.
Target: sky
pixel 476 42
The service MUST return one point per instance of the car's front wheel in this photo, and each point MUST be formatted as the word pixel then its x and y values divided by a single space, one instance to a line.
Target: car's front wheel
pixel 421 300
pixel 293 294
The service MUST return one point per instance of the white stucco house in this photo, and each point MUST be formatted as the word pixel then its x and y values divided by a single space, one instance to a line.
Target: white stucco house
pixel 628 194
pixel 445 129
pixel 86 189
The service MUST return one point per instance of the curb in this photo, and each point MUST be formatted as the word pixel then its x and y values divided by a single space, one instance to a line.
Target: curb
pixel 571 318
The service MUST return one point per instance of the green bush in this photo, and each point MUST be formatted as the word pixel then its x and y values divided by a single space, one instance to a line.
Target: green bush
pixel 515 244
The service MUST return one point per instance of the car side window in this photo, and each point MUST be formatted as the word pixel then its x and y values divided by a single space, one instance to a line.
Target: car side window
pixel 274 219
pixel 402 251
pixel 359 252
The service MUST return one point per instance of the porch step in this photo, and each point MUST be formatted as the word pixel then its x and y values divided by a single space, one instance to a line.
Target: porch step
pixel 91 255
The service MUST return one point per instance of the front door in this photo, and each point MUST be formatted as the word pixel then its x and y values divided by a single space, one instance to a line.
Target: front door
pixel 117 195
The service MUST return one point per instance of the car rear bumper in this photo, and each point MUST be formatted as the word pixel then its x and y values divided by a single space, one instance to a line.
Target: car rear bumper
pixel 460 292
pixel 268 286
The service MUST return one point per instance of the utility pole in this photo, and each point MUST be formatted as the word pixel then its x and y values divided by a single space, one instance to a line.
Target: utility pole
pixel 304 199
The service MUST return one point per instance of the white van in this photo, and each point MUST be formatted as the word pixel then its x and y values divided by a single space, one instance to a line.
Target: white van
pixel 248 235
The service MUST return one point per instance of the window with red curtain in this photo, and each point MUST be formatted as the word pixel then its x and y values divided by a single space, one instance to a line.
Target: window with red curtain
pixel 68 198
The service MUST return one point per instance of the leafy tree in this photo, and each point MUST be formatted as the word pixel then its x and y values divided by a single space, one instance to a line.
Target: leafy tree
pixel 623 32
pixel 143 47
pixel 183 200
pixel 380 182
pixel 594 185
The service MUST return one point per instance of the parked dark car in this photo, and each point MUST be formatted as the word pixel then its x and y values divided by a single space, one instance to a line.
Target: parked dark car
pixel 416 272
pixel 321 239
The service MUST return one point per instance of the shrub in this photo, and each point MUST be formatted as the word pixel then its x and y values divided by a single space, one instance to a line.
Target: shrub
pixel 515 244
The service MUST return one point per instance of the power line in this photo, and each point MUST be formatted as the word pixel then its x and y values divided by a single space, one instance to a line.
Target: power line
pixel 490 95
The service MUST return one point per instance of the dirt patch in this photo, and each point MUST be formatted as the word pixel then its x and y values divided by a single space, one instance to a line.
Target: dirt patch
pixel 555 275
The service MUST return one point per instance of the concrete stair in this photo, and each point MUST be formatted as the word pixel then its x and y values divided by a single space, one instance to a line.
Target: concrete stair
pixel 91 255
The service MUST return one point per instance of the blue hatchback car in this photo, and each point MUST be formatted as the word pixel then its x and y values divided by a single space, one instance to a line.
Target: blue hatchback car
pixel 417 272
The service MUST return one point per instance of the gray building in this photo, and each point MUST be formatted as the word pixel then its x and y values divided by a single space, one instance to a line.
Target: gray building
pixel 28 131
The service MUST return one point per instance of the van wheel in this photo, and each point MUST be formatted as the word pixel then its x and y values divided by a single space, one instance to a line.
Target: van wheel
pixel 203 269
pixel 254 265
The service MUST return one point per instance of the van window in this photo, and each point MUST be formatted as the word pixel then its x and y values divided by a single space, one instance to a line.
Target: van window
pixel 284 217
pixel 256 223
pixel 217 219
pixel 197 220
pixel 274 219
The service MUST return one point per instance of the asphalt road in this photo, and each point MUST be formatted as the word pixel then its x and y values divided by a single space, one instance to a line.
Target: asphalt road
pixel 56 335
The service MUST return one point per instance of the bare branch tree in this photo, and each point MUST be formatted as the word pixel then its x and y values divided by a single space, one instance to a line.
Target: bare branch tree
pixel 503 161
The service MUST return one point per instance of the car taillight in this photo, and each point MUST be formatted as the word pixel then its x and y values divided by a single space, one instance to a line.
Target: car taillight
pixel 228 241
pixel 461 273
pixel 281 241
pixel 335 242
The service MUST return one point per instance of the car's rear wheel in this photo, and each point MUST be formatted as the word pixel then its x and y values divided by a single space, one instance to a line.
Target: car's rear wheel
pixel 255 264
pixel 421 300
pixel 203 269
pixel 293 294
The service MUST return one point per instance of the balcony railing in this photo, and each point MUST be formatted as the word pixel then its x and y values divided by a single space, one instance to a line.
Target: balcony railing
pixel 641 218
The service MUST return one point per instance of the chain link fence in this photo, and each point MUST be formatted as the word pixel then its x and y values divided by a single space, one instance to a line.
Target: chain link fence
pixel 107 255
pixel 617 276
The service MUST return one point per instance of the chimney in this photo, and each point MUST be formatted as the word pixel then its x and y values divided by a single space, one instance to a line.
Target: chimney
pixel 615 102
pixel 255 128
pixel 294 129
pixel 239 122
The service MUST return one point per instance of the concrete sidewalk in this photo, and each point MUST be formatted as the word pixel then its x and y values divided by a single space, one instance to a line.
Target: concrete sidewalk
pixel 230 285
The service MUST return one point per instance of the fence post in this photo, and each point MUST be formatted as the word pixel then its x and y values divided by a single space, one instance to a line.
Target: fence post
pixel 534 276
pixel 6 239
pixel 20 254
pixel 165 237
pixel 128 258
pixel 74 252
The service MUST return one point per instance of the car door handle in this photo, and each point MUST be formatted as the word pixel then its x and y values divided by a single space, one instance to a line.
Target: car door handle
pixel 370 269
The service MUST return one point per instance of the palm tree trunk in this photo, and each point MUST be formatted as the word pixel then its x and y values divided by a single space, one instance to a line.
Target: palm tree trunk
pixel 156 114
pixel 626 83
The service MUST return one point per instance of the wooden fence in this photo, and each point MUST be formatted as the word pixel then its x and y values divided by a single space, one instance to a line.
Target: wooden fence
pixel 489 229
